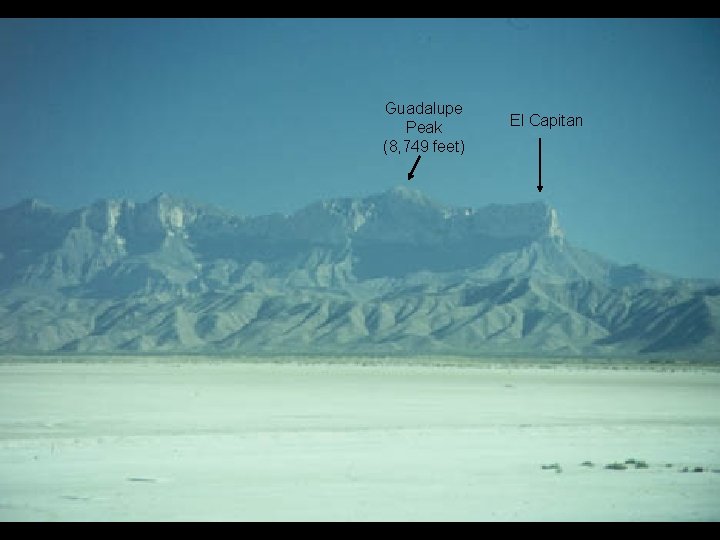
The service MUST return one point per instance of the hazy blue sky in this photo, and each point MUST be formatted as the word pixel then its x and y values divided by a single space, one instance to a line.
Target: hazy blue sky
pixel 268 115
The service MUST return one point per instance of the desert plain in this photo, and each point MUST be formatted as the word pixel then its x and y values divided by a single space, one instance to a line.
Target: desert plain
pixel 211 439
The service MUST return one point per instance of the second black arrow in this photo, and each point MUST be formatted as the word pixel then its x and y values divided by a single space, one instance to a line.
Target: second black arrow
pixel 539 186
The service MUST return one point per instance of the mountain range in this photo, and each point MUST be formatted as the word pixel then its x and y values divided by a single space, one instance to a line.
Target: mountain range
pixel 390 274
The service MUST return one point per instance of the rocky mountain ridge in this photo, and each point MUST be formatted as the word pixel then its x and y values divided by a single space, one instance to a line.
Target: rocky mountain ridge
pixel 393 273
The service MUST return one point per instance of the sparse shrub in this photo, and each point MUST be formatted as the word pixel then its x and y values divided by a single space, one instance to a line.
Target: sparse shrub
pixel 616 466
pixel 640 464
pixel 630 461
pixel 698 469
pixel 587 464
pixel 555 466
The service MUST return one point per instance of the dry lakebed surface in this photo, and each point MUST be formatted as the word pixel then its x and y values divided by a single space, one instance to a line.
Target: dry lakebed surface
pixel 134 439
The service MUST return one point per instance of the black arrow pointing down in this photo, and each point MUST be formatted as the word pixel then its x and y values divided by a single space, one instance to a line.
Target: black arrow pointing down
pixel 410 174
pixel 539 186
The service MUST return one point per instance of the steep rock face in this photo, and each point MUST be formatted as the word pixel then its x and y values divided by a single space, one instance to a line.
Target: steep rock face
pixel 393 273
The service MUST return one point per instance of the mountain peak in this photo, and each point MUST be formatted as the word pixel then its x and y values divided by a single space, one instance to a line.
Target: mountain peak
pixel 405 191
pixel 410 194
pixel 165 199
